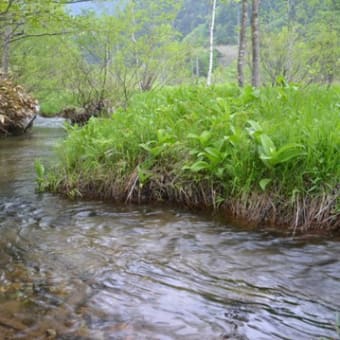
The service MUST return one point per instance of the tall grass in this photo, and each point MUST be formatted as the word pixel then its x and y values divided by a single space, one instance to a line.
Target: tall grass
pixel 269 155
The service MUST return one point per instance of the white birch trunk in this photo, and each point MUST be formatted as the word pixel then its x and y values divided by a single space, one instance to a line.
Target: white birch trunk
pixel 211 56
pixel 255 44
pixel 242 43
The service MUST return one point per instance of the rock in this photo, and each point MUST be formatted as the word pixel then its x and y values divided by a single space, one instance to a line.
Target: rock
pixel 51 333
pixel 17 109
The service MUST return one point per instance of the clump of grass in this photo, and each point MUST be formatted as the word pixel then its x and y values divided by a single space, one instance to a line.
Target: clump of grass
pixel 269 155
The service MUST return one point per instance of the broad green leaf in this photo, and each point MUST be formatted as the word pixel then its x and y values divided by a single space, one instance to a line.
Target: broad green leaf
pixel 219 172
pixel 213 154
pixel 267 145
pixel 197 166
pixel 254 128
pixel 287 152
pixel 264 182
pixel 147 146
pixel 204 137
pixel 39 168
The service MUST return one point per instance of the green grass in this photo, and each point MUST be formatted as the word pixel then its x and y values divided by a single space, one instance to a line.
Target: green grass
pixel 269 155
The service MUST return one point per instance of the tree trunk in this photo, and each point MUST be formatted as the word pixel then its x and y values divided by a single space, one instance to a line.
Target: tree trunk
pixel 242 44
pixel 195 67
pixel 255 44
pixel 5 52
pixel 288 73
pixel 211 56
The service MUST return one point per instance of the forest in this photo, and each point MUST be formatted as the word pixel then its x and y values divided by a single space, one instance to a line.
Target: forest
pixel 66 59
pixel 255 82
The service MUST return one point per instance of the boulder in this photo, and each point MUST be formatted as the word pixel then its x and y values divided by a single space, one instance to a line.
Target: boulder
pixel 17 109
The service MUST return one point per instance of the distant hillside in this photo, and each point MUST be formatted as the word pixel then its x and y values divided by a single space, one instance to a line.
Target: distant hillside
pixel 194 18
pixel 227 54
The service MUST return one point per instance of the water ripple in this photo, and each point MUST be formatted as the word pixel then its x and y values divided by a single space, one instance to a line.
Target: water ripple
pixel 94 270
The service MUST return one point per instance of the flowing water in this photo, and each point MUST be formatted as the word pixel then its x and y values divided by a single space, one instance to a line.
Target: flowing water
pixel 93 270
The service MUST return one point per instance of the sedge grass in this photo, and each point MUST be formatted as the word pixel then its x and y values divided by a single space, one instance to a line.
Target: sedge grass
pixel 269 156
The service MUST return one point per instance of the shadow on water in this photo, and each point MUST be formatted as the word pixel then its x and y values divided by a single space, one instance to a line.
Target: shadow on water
pixel 93 270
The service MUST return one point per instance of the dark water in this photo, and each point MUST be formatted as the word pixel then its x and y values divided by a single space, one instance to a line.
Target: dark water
pixel 92 270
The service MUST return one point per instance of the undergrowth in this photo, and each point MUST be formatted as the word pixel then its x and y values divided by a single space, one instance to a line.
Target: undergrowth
pixel 269 155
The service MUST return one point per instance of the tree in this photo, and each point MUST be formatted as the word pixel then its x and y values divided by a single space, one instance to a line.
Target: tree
pixel 242 43
pixel 211 44
pixel 325 42
pixel 255 43
pixel 300 41
pixel 148 52
pixel 101 56
pixel 19 17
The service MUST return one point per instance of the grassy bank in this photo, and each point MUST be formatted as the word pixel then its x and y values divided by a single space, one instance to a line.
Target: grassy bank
pixel 268 156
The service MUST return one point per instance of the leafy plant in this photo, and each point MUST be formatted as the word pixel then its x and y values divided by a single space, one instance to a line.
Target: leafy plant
pixel 272 156
pixel 40 172
pixel 215 143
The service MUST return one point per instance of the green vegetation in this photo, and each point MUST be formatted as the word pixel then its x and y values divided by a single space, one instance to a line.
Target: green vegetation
pixel 66 60
pixel 269 155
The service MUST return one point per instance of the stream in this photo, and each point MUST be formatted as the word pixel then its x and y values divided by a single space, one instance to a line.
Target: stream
pixel 97 270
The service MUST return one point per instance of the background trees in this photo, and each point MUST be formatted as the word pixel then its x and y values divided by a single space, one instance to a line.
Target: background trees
pixel 22 19
pixel 79 59
pixel 143 44
pixel 291 42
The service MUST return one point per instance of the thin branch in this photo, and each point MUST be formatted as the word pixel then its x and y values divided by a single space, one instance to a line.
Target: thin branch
pixel 24 36
pixel 9 5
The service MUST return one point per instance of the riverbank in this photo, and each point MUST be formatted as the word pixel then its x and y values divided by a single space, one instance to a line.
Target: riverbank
pixel 266 156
